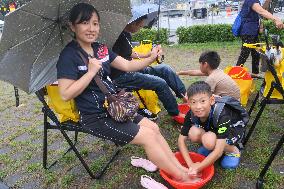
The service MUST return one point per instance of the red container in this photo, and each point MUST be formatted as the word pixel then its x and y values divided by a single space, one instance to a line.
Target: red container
pixel 207 173
pixel 239 72
pixel 183 108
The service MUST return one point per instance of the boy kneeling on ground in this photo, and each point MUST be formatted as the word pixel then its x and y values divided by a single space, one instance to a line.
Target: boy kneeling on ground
pixel 199 127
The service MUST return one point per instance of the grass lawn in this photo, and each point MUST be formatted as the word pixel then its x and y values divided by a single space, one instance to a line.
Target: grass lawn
pixel 21 140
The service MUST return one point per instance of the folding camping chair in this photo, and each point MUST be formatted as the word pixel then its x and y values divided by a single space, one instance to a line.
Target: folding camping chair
pixel 271 96
pixel 63 127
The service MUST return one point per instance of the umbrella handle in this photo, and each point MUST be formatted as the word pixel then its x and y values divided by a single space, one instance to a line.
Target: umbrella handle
pixel 158 29
pixel 160 61
pixel 266 39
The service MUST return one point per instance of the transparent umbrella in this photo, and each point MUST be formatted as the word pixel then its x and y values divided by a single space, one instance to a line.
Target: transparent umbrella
pixel 35 34
pixel 151 13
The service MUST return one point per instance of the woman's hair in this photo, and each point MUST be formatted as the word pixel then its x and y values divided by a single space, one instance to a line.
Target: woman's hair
pixel 82 12
pixel 211 57
pixel 199 87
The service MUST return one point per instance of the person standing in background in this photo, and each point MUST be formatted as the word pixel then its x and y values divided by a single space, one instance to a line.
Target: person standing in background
pixel 252 11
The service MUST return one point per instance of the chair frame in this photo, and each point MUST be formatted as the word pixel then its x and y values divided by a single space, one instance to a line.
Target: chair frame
pixel 141 99
pixel 266 100
pixel 16 91
pixel 276 84
pixel 63 127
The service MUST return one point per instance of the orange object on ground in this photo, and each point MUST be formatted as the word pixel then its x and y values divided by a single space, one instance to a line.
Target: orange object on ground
pixel 183 108
pixel 244 80
pixel 239 72
pixel 12 7
pixel 207 173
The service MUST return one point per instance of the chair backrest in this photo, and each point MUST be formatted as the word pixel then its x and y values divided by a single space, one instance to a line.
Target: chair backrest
pixel 45 109
pixel 273 73
pixel 66 110
pixel 145 47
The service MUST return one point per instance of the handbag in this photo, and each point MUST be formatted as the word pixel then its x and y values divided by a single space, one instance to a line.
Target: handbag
pixel 122 106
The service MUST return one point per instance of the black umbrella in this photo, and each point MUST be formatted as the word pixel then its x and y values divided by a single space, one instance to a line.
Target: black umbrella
pixel 35 34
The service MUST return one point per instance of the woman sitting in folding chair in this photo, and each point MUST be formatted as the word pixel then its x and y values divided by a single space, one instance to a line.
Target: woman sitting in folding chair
pixel 76 80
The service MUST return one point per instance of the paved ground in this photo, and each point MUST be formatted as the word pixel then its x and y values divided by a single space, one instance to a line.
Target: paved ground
pixel 3 186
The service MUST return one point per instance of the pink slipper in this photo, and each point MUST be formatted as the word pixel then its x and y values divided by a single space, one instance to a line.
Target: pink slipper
pixel 149 183
pixel 144 163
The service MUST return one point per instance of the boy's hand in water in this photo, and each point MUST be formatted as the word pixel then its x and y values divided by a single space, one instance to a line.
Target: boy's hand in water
pixel 193 170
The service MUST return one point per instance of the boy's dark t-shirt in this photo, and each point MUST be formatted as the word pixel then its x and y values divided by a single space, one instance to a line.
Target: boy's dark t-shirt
pixel 227 119
pixel 123 48
pixel 71 66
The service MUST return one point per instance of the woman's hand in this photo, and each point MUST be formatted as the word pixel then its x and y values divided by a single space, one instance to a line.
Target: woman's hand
pixel 156 51
pixel 261 27
pixel 278 23
pixel 94 66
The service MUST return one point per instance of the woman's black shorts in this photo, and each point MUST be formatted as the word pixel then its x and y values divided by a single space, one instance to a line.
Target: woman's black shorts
pixel 105 127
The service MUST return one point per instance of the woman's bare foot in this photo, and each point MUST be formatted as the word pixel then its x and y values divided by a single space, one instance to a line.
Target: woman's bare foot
pixel 193 180
pixel 182 168
pixel 188 179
